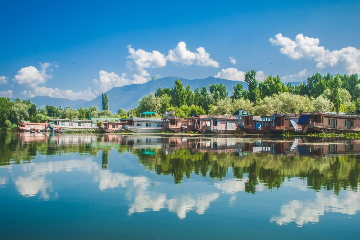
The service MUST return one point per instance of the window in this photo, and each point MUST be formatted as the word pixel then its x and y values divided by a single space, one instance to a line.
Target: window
pixel 113 126
pixel 79 124
pixel 138 124
pixel 147 124
pixel 62 123
pixel 159 125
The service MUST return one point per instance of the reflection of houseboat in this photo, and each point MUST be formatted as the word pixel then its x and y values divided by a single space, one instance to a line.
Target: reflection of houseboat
pixel 145 125
pixel 272 124
pixel 319 122
pixel 32 127
pixel 73 125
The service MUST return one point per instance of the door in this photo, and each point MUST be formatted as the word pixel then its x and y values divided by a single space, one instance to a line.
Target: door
pixel 332 123
pixel 348 124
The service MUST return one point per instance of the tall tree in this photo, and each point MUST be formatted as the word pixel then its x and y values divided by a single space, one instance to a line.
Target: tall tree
pixel 254 92
pixel 178 94
pixel 238 91
pixel 105 102
pixel 189 95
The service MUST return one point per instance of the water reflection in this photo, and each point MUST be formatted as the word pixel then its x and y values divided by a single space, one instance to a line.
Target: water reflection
pixel 207 169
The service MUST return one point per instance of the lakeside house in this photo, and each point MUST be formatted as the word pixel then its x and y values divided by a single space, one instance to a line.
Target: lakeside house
pixel 212 124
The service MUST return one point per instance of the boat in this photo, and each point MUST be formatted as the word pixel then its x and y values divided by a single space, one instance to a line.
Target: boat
pixel 145 125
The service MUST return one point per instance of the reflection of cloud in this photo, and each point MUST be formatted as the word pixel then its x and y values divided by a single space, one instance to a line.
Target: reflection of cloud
pixel 187 203
pixel 3 180
pixel 112 180
pixel 234 186
pixel 30 186
pixel 302 212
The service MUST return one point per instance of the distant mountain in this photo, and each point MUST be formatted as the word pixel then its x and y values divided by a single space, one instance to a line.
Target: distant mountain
pixel 127 96
pixel 41 101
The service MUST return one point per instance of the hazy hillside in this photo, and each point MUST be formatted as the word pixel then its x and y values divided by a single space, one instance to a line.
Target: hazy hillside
pixel 127 96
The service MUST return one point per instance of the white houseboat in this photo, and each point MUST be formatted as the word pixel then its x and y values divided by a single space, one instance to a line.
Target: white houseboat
pixel 145 125
pixel 73 125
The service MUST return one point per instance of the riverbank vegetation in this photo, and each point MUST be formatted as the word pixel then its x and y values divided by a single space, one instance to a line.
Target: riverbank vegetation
pixel 338 93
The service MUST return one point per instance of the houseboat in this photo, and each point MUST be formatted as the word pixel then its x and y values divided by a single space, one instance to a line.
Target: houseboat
pixel 116 126
pixel 212 124
pixel 272 124
pixel 73 125
pixel 172 123
pixel 145 125
pixel 32 127
pixel 319 122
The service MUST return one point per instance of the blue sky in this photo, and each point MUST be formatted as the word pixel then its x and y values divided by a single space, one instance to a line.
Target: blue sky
pixel 78 49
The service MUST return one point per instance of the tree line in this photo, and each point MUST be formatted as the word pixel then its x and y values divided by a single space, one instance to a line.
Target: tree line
pixel 338 93
pixel 335 93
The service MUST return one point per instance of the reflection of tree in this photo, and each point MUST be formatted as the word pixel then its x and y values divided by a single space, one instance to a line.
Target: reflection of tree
pixel 333 173
pixel 105 159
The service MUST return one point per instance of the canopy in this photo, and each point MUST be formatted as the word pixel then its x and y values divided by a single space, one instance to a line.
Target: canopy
pixel 148 113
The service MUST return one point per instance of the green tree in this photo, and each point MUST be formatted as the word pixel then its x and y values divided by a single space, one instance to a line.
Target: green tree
pixel 19 112
pixel 178 94
pixel 254 92
pixel 5 108
pixel 32 111
pixel 189 95
pixel 105 101
pixel 218 91
pixel 238 91
pixel 164 103
pixel 197 97
pixel 271 85
pixel 350 83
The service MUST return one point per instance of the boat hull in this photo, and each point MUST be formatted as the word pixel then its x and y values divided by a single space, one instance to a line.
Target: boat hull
pixel 144 130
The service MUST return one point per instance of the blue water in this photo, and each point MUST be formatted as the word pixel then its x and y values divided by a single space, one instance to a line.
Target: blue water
pixel 153 187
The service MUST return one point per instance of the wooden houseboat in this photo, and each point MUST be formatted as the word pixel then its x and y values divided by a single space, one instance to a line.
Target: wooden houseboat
pixel 272 124
pixel 32 127
pixel 116 126
pixel 73 125
pixel 145 125
pixel 319 122
pixel 172 123
pixel 212 124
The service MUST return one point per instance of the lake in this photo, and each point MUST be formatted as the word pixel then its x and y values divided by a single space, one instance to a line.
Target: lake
pixel 83 186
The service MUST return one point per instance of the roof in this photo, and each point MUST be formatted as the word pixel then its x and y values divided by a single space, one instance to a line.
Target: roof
pixel 148 113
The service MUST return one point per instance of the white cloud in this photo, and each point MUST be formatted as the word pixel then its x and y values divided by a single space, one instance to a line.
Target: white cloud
pixel 231 74
pixel 8 94
pixel 109 80
pixel 145 59
pixel 232 60
pixel 236 75
pixel 183 56
pixel 296 76
pixel 306 47
pixel 59 93
pixel 260 75
pixel 303 212
pixel 3 80
pixel 32 77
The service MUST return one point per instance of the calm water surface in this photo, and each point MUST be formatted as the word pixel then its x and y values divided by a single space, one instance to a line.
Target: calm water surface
pixel 181 187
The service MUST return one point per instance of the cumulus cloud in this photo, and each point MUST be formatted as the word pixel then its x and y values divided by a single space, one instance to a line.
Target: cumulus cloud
pixel 296 76
pixel 306 47
pixel 31 76
pixel 181 55
pixel 232 60
pixel 3 80
pixel 8 94
pixel 231 74
pixel 109 80
pixel 145 59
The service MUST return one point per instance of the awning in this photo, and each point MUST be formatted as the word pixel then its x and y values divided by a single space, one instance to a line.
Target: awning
pixel 148 113
pixel 304 119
